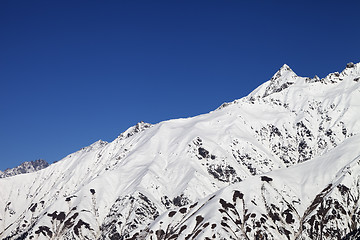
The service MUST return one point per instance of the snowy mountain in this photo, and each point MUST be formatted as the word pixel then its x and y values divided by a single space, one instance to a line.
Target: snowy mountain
pixel 25 167
pixel 281 163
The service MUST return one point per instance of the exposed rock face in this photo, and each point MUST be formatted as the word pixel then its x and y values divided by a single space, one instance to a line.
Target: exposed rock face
pixel 350 65
pixel 281 163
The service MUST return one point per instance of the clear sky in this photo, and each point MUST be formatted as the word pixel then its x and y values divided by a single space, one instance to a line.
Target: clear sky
pixel 73 72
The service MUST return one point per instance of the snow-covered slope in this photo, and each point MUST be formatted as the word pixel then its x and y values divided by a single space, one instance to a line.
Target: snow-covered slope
pixel 318 199
pixel 25 167
pixel 137 185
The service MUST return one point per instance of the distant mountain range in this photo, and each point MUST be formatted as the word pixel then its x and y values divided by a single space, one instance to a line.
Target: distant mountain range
pixel 25 167
pixel 280 163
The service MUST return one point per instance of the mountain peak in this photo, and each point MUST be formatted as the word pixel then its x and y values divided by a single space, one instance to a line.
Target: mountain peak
pixel 284 70
pixel 282 79
pixel 139 127
pixel 96 145
pixel 285 67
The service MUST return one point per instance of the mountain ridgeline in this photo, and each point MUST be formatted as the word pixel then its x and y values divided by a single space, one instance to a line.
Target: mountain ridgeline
pixel 280 163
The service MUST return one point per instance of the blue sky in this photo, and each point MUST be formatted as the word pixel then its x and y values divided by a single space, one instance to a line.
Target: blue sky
pixel 73 72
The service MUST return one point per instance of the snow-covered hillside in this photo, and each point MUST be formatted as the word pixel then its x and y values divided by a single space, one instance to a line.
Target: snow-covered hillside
pixel 317 199
pixel 281 163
